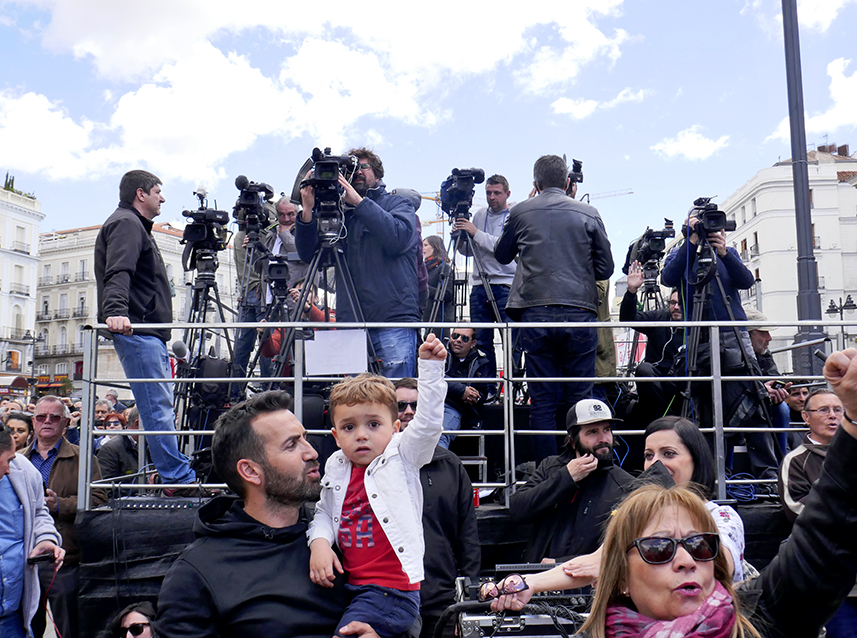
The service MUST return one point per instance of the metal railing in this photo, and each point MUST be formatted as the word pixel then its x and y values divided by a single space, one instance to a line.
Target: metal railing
pixel 509 430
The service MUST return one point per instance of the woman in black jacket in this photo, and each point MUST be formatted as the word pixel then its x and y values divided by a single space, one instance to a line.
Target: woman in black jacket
pixel 437 264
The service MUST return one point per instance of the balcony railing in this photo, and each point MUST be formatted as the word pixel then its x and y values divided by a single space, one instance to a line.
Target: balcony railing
pixel 62 349
pixel 62 313
pixel 745 255
pixel 82 276
pixel 19 289
pixel 81 311
pixel 63 278
pixel 43 351
pixel 13 367
pixel 21 247
pixel 47 280
pixel 44 316
pixel 754 250
pixel 816 242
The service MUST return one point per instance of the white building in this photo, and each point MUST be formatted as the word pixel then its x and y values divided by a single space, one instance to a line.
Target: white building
pixel 67 302
pixel 20 216
pixel 764 211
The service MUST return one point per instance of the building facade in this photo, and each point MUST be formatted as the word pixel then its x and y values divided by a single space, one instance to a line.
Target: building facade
pixel 20 216
pixel 66 303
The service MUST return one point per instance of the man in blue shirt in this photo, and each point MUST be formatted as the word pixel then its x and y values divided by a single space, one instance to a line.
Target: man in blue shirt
pixel 26 529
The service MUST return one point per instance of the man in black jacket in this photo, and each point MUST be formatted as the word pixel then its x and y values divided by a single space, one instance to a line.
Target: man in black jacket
pixel 569 498
pixel 562 250
pixel 449 522
pixel 133 288
pixel 464 400
pixel 247 574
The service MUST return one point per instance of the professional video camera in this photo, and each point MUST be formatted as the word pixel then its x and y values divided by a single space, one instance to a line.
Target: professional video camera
pixel 204 235
pixel 249 211
pixel 575 175
pixel 711 219
pixel 648 248
pixel 456 191
pixel 326 169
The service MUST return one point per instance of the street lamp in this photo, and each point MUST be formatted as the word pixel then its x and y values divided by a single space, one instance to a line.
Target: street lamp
pixel 31 382
pixel 834 310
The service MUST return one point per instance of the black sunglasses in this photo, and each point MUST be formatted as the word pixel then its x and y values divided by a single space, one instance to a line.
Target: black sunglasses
pixel 455 336
pixel 403 405
pixel 136 629
pixel 657 550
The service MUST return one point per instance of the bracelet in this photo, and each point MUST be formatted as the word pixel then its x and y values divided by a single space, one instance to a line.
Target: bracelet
pixel 848 418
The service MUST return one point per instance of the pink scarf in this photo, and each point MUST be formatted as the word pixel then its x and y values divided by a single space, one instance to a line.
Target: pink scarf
pixel 714 618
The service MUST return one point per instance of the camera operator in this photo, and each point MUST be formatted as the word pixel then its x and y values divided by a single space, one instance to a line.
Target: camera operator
pixel 485 229
pixel 563 249
pixel 662 346
pixel 380 247
pixel 741 406
pixel 280 240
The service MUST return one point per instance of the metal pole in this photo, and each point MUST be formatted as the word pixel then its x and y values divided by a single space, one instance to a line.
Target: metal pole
pixel 509 409
pixel 90 356
pixel 717 401
pixel 808 299
pixel 298 407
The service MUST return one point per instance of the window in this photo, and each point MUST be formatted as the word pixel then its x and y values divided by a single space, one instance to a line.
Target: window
pixel 46 270
pixel 743 214
pixel 743 245
pixel 753 206
pixel 61 368
pixel 64 268
pixel 42 370
pixel 63 340
pixel 64 301
pixel 82 269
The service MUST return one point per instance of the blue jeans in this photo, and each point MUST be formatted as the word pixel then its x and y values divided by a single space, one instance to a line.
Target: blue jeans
pixel 397 350
pixel 391 612
pixel 145 357
pixel 844 621
pixel 245 340
pixel 12 626
pixel 481 310
pixel 556 352
pixel 451 421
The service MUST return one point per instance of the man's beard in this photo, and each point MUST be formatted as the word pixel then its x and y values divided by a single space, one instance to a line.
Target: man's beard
pixel 603 452
pixel 290 491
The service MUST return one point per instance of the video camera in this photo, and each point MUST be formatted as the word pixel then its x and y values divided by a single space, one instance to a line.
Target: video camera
pixel 649 247
pixel 204 235
pixel 712 220
pixel 326 169
pixel 249 211
pixel 456 191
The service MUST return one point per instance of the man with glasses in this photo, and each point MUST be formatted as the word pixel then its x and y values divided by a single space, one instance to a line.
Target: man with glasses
pixel 663 343
pixel 449 522
pixel 464 399
pixel 58 462
pixel 381 243
pixel 801 469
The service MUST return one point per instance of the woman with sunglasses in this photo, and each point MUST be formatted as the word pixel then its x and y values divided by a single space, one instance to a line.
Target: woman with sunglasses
pixel 663 574
pixel 135 620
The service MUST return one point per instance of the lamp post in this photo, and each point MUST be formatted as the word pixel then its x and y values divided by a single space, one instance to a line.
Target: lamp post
pixel 840 309
pixel 31 382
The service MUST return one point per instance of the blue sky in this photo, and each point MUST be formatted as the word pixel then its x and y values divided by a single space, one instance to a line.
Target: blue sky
pixel 673 100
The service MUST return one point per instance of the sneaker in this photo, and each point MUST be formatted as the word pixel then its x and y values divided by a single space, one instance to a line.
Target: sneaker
pixel 193 490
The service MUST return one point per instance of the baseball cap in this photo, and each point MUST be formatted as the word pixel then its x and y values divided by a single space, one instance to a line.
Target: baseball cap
pixel 588 411
pixel 755 315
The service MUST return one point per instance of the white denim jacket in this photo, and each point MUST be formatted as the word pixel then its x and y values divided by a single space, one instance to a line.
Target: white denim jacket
pixel 393 479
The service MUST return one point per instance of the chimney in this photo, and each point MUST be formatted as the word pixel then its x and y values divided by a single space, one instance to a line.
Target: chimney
pixel 843 151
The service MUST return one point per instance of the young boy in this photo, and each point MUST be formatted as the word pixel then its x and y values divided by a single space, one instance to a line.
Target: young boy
pixel 371 501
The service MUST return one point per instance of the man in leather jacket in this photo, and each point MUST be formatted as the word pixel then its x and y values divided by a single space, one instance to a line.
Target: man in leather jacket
pixel 562 250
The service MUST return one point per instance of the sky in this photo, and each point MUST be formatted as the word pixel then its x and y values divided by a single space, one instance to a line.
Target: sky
pixel 663 101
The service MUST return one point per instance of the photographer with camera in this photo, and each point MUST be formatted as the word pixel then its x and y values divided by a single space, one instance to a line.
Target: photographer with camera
pixel 380 243
pixel 562 250
pixel 741 399
pixel 485 229
pixel 133 288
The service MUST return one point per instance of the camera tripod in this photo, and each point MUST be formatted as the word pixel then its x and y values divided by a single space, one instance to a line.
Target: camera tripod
pixel 652 300
pixel 205 296
pixel 753 392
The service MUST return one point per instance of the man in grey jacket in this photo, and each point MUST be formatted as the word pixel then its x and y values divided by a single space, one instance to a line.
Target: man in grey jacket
pixel 26 529
pixel 562 250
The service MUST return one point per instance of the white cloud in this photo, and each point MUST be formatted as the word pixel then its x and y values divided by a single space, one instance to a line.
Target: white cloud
pixel 690 144
pixel 581 108
pixel 843 94
pixel 820 14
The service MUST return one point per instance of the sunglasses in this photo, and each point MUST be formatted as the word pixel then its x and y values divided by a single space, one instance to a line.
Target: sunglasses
pixel 510 585
pixel 455 337
pixel 403 405
pixel 136 629
pixel 116 423
pixel 657 550
pixel 53 418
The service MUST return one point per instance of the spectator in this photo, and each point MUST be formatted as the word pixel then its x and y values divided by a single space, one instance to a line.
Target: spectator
pixel 449 522
pixel 58 462
pixel 485 229
pixel 569 498
pixel 555 282
pixel 437 264
pixel 464 399
pixel 380 242
pixel 137 619
pixel 115 404
pixel 133 288
pixel 118 457
pixel 26 529
pixel 798 392
pixel 20 424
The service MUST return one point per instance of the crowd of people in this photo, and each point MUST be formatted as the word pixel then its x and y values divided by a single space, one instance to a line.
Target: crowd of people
pixel 395 524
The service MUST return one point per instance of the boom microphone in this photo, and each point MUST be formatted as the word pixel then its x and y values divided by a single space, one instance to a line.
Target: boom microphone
pixel 179 347
pixel 241 182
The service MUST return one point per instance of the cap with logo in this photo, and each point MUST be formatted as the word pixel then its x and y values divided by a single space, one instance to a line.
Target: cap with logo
pixel 588 411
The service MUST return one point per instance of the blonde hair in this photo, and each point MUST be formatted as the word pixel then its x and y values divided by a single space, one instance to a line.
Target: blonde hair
pixel 626 525
pixel 364 388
